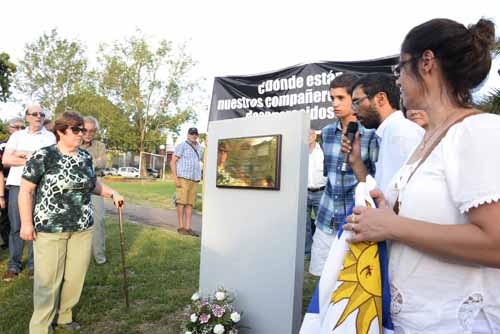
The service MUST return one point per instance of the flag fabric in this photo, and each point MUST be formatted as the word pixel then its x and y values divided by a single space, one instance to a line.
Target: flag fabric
pixel 352 295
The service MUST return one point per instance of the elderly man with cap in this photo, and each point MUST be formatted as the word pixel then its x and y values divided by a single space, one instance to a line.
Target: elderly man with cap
pixel 17 151
pixel 186 172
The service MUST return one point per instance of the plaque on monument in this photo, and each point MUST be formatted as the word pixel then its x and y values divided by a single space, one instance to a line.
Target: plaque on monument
pixel 249 162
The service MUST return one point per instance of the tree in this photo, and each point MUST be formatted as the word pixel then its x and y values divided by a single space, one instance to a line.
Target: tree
pixel 491 102
pixel 52 68
pixel 115 129
pixel 7 69
pixel 151 85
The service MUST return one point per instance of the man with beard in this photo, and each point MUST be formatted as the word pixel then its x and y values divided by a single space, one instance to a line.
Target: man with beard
pixel 375 102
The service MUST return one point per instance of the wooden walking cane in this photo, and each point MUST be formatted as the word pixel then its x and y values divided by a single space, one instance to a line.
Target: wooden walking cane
pixel 122 246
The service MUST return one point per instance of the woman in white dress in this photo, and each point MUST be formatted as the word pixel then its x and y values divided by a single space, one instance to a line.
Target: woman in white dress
pixel 445 251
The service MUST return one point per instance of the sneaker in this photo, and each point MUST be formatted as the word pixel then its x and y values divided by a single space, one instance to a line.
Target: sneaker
pixel 72 326
pixel 101 262
pixel 192 233
pixel 31 274
pixel 180 230
pixel 9 276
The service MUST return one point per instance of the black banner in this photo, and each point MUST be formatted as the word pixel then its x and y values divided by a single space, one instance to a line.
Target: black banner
pixel 301 88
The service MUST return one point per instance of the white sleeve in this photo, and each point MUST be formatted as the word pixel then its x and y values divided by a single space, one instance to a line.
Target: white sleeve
pixel 472 161
pixel 12 142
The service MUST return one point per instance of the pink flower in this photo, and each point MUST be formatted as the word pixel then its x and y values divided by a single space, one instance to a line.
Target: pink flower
pixel 217 310
pixel 204 318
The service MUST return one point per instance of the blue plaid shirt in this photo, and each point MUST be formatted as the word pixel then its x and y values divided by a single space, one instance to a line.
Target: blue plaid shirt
pixel 331 207
pixel 188 165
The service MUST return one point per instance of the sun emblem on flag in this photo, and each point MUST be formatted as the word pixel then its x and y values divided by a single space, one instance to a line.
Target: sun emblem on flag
pixel 361 286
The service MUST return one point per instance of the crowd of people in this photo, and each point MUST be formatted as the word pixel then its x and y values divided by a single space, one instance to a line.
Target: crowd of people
pixel 431 153
pixel 48 203
pixel 436 170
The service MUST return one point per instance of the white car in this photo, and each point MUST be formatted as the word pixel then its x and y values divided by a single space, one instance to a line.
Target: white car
pixel 128 172
pixel 110 171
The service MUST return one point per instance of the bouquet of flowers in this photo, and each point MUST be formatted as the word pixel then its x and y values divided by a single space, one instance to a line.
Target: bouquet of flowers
pixel 212 315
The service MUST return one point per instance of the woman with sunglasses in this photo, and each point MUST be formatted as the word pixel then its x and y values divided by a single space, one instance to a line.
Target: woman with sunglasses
pixel 445 251
pixel 63 179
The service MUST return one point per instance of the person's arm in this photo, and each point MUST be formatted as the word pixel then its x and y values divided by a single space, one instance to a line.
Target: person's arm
pixel 13 159
pixel 355 161
pixel 173 168
pixel 103 190
pixel 25 201
pixel 2 190
pixel 477 242
pixel 100 160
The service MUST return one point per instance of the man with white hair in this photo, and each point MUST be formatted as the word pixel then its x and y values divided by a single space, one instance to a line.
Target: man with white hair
pixel 19 148
pixel 98 151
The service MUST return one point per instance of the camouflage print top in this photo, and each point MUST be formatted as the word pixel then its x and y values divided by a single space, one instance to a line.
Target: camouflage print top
pixel 64 186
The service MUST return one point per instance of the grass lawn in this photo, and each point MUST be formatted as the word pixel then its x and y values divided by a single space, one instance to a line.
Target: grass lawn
pixel 163 270
pixel 157 194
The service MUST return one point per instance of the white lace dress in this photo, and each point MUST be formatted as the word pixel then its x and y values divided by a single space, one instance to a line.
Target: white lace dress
pixel 432 294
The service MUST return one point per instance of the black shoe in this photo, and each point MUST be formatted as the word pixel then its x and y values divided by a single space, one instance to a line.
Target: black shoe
pixel 71 327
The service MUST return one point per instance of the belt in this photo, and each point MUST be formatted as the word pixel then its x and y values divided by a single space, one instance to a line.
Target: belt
pixel 313 190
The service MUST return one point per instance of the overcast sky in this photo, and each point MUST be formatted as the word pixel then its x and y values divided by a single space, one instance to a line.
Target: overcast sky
pixel 239 37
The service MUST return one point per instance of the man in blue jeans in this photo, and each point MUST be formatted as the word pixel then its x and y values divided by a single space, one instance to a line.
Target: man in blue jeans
pixel 19 148
pixel 316 182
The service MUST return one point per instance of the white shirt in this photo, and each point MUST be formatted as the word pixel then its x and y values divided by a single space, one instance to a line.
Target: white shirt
pixel 432 294
pixel 398 137
pixel 27 142
pixel 315 177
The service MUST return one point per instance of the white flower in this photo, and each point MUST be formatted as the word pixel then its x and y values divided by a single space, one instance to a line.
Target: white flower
pixel 193 317
pixel 195 296
pixel 235 317
pixel 220 295
pixel 218 329
pixel 188 332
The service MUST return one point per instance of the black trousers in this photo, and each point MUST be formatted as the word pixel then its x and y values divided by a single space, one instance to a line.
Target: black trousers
pixel 4 223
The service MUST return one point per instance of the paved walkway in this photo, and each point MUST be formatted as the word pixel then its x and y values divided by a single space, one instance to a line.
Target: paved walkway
pixel 162 218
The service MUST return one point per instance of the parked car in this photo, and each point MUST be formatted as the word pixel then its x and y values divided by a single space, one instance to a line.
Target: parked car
pixel 109 171
pixel 128 172
pixel 100 172
pixel 153 172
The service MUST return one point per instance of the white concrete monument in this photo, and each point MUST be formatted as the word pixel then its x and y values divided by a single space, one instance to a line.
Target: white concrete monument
pixel 253 240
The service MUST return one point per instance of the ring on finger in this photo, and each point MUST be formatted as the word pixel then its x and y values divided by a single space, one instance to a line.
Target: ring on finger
pixel 353 219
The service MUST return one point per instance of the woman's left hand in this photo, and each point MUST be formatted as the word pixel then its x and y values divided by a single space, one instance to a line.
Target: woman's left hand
pixel 27 232
pixel 118 200
pixel 369 224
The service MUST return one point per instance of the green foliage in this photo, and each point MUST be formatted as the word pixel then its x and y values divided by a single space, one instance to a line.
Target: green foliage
pixel 491 103
pixel 4 132
pixel 150 84
pixel 52 68
pixel 115 129
pixel 7 69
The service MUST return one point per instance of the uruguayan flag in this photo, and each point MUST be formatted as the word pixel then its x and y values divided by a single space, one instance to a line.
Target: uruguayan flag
pixel 352 296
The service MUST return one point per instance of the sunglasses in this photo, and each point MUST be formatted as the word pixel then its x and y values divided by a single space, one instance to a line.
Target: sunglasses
pixel 36 114
pixel 17 127
pixel 76 130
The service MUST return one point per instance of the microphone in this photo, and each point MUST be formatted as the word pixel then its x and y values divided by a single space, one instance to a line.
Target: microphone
pixel 352 128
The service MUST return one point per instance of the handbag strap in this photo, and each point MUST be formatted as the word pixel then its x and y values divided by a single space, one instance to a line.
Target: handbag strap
pixel 431 148
pixel 195 151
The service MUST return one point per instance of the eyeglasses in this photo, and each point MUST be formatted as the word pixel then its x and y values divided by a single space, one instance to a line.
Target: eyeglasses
pixel 17 127
pixel 396 69
pixel 356 102
pixel 36 114
pixel 76 130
